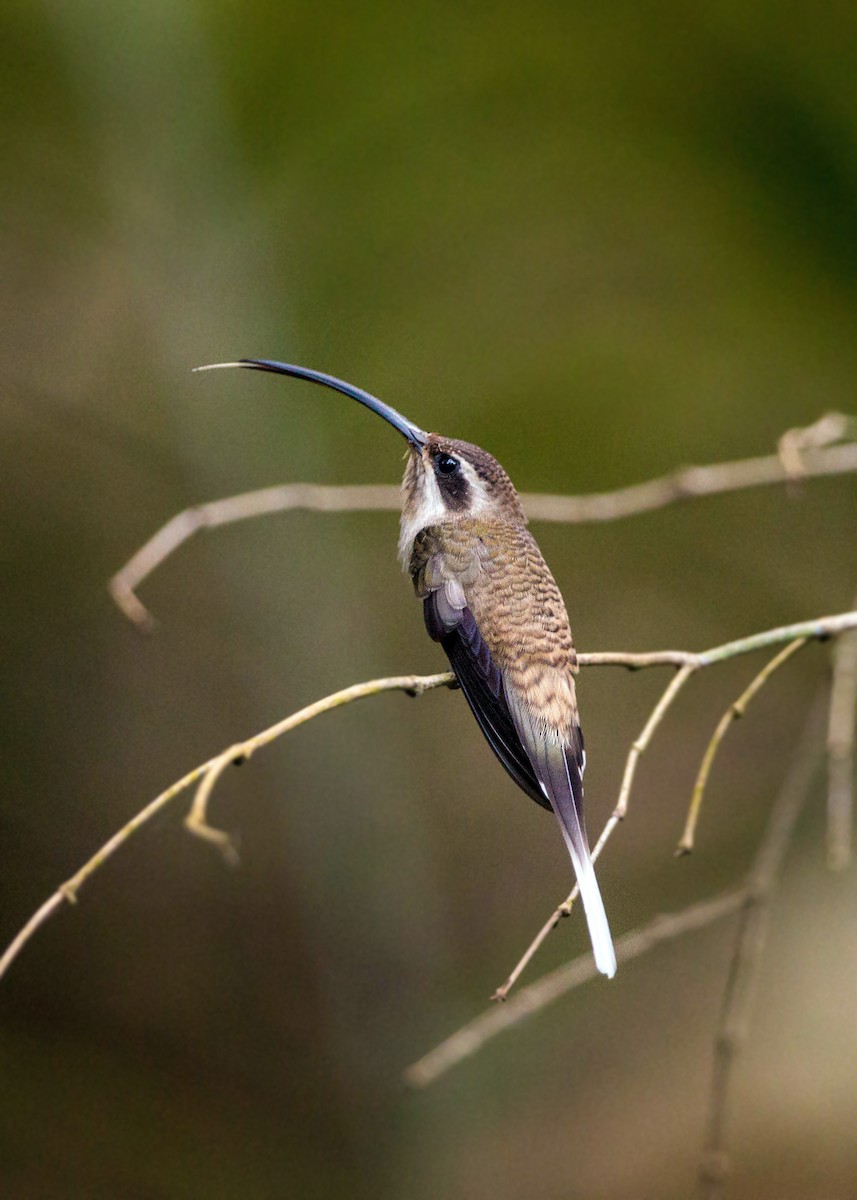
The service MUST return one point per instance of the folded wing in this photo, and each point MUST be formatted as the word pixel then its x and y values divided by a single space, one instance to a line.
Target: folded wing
pixel 546 764
pixel 481 682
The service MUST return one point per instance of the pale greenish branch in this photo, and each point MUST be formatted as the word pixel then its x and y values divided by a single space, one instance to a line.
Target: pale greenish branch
pixel 796 635
pixel 67 892
pixel 732 714
pixel 749 899
pixel 821 627
pixel 414 684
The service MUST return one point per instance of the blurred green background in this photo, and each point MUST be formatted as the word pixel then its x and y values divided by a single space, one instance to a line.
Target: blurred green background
pixel 600 243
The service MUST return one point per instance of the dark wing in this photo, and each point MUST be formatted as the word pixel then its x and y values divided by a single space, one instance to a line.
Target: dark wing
pixel 482 683
pixel 544 764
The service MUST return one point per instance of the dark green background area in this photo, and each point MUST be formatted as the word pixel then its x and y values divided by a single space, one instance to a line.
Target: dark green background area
pixel 600 244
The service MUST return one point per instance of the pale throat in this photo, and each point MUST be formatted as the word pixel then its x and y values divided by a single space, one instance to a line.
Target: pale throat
pixel 423 505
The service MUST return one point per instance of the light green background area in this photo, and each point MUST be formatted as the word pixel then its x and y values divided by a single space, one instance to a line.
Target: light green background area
pixel 601 244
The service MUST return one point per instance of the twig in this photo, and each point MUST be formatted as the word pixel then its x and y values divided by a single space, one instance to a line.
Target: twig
pixel 536 996
pixel 805 630
pixel 288 497
pixel 638 747
pixel 211 770
pixel 749 941
pixel 752 900
pixel 832 427
pixel 841 730
pixel 732 714
pixel 67 892
pixel 693 482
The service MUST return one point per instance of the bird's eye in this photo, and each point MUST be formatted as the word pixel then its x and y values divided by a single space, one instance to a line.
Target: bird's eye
pixel 446 464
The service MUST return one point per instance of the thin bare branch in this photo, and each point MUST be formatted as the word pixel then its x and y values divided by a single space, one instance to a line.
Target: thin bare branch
pixel 841 731
pixel 286 498
pixel 749 943
pixel 814 458
pixel 67 892
pixel 642 743
pixel 476 1034
pixel 536 996
pixel 796 634
pixel 208 772
pixel 636 662
pixel 806 630
pixel 732 714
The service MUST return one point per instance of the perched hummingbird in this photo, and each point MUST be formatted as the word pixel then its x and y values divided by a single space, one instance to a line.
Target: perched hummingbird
pixel 492 603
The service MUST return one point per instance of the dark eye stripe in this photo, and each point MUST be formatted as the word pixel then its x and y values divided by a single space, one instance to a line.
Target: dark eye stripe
pixel 454 490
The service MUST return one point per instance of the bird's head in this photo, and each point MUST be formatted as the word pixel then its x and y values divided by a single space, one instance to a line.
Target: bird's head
pixel 445 480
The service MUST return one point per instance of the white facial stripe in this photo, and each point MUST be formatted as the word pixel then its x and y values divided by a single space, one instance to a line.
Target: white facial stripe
pixel 429 510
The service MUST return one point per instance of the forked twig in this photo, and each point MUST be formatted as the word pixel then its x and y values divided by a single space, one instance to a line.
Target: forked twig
pixel 208 772
pixel 535 996
pixel 751 900
pixel 749 942
pixel 288 497
pixel 732 714
pixel 67 892
pixel 692 663
pixel 803 453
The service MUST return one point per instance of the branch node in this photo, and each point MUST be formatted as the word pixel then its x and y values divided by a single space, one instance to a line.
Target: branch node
pixel 127 600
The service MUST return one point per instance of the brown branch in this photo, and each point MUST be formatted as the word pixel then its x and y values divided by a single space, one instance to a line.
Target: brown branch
pixel 288 497
pixel 750 899
pixel 534 997
pixel 811 451
pixel 841 731
pixel 749 942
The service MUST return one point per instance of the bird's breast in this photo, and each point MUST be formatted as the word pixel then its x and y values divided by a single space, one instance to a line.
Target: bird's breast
pixel 517 606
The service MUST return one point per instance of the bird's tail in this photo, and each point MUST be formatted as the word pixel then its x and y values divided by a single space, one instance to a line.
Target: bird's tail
pixel 558 764
pixel 590 894
pixel 561 771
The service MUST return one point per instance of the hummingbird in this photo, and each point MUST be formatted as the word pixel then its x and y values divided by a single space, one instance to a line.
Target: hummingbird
pixel 490 600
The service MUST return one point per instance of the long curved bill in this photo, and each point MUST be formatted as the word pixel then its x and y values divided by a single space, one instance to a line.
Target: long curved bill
pixel 416 436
